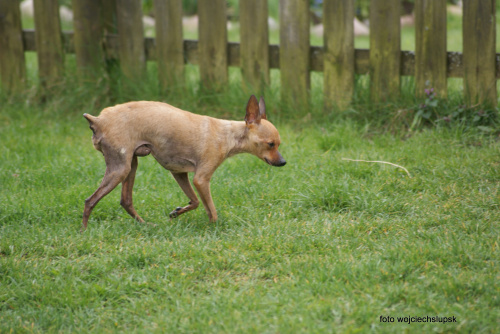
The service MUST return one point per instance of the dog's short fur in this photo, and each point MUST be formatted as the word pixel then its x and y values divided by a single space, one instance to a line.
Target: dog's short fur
pixel 181 142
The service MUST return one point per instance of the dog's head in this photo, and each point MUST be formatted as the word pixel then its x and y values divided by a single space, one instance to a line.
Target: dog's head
pixel 264 138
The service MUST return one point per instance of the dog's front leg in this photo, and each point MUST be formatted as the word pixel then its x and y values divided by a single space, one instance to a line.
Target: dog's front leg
pixel 202 183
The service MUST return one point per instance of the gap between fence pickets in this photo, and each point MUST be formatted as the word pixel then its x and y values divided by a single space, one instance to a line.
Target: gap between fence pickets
pixel 381 162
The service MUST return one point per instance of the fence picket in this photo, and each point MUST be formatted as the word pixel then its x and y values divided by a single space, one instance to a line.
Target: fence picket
pixel 338 16
pixel 131 39
pixel 213 43
pixel 479 52
pixel 49 42
pixel 254 36
pixel 294 51
pixel 12 62
pixel 430 46
pixel 169 43
pixel 88 37
pixel 108 8
pixel 385 49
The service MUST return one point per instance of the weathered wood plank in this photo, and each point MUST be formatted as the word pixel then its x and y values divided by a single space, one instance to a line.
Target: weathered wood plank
pixel 407 63
pixel 191 52
pixel 362 61
pixel 49 42
pixel 338 16
pixel 430 46
pixel 454 60
pixel 88 38
pixel 316 58
pixel 212 46
pixel 109 26
pixel 294 51
pixel 497 63
pixel 254 36
pixel 169 43
pixel 108 16
pixel 479 52
pixel 131 39
pixel 274 56
pixel 233 54
pixel 455 65
pixel 12 62
pixel 385 49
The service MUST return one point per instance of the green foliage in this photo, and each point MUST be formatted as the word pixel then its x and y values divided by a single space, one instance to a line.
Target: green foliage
pixel 436 112
pixel 147 6
pixel 363 7
pixel 190 7
pixel 67 3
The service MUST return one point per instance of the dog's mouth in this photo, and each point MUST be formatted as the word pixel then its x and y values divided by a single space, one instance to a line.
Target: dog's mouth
pixel 278 164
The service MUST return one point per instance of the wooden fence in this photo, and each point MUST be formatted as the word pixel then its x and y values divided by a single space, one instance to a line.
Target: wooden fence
pixel 106 29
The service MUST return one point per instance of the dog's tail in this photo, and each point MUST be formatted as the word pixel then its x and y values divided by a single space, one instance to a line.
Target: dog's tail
pixel 96 135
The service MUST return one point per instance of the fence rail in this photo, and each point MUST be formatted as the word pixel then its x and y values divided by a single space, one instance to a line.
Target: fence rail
pixel 120 35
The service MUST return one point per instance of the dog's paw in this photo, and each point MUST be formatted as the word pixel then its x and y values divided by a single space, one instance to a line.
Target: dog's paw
pixel 175 213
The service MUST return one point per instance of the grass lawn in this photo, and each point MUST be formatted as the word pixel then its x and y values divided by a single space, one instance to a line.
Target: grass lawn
pixel 320 245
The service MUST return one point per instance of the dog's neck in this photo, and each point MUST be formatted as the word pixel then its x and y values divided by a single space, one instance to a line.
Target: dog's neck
pixel 237 137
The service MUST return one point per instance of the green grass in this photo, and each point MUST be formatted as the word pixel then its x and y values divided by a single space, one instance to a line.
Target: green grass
pixel 320 245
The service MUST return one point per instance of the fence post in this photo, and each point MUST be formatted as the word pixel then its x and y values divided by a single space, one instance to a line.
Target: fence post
pixel 254 50
pixel 169 43
pixel 212 43
pixel 385 49
pixel 109 16
pixel 49 43
pixel 338 18
pixel 12 63
pixel 430 46
pixel 479 52
pixel 88 38
pixel 109 27
pixel 294 51
pixel 131 39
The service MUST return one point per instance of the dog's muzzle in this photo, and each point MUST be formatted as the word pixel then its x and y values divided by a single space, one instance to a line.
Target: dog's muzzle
pixel 280 163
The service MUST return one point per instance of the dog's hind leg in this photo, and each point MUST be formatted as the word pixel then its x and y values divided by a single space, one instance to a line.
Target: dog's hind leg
pixel 127 187
pixel 183 181
pixel 115 174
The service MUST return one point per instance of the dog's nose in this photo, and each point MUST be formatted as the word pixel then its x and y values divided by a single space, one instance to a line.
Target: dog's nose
pixel 281 163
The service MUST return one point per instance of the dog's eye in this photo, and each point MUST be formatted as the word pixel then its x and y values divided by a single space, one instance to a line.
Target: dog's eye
pixel 271 144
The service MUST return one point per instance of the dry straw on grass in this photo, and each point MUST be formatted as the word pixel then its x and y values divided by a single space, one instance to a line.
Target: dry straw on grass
pixel 380 162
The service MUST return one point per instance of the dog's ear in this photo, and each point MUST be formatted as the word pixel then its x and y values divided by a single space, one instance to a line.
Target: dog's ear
pixel 253 115
pixel 262 108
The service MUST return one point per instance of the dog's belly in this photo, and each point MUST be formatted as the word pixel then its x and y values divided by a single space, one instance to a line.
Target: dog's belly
pixel 174 163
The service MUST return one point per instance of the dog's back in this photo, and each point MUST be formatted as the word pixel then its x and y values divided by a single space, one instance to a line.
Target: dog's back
pixel 143 122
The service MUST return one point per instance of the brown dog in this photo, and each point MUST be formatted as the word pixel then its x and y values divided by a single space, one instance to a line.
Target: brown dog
pixel 181 142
